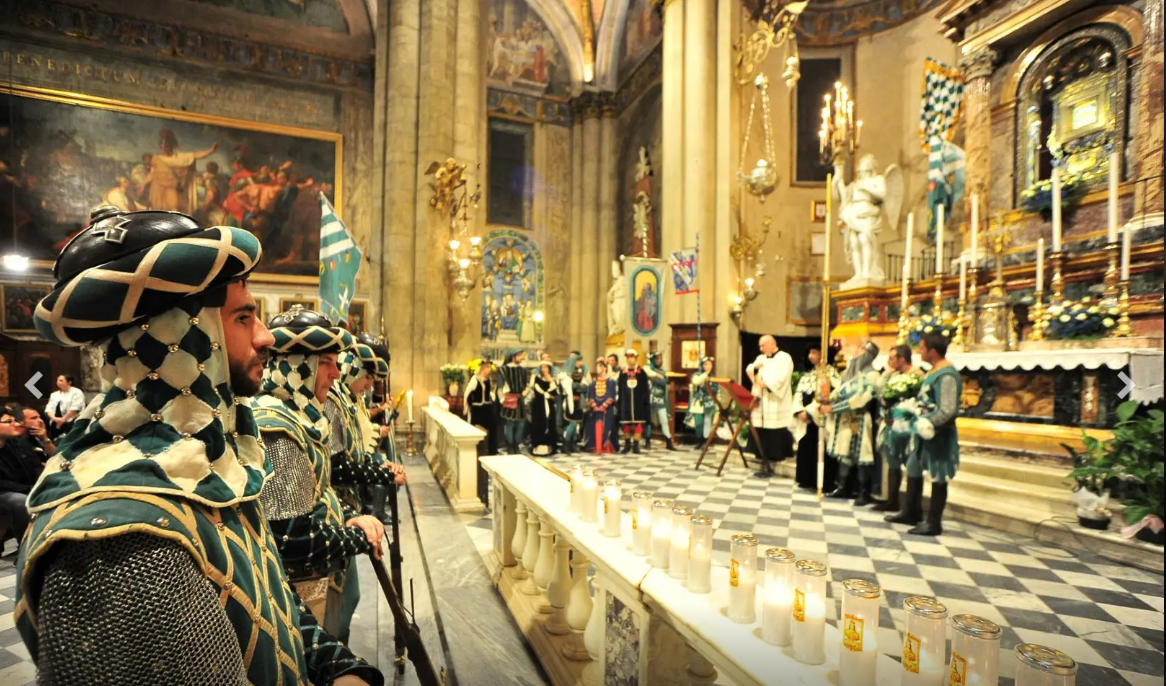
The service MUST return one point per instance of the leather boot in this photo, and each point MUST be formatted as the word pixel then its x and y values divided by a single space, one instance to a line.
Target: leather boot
pixel 894 481
pixel 765 471
pixel 647 443
pixel 912 510
pixel 933 525
pixel 627 446
pixel 865 484
pixel 669 444
pixel 636 446
pixel 842 487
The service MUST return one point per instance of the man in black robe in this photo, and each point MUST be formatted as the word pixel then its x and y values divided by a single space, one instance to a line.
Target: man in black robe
pixel 634 401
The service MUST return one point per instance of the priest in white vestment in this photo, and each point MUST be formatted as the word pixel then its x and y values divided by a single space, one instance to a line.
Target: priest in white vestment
pixel 771 374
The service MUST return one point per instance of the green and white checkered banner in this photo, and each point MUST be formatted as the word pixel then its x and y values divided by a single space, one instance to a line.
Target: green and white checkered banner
pixel 339 262
pixel 940 111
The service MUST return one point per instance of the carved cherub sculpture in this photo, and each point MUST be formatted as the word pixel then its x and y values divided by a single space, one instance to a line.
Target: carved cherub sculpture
pixel 868 204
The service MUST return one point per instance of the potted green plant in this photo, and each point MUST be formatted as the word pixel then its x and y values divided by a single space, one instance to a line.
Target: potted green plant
pixel 1091 476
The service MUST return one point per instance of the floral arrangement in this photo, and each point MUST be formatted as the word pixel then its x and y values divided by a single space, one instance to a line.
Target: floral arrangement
pixel 1039 196
pixel 928 323
pixel 473 365
pixel 902 386
pixel 1076 320
pixel 795 379
pixel 453 373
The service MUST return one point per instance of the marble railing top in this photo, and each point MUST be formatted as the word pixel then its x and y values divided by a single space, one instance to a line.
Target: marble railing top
pixel 458 428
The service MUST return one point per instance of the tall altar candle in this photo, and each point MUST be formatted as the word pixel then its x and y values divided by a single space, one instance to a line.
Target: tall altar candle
pixel 975 228
pixel 1125 253
pixel 1040 264
pixel 910 238
pixel 409 399
pixel 1112 207
pixel 829 227
pixel 1056 208
pixel 939 240
pixel 963 277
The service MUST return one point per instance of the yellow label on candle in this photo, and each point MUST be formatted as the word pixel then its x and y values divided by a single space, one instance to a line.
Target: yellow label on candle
pixel 959 670
pixel 605 506
pixel 572 486
pixel 911 653
pixel 799 605
pixel 635 519
pixel 853 632
pixel 734 573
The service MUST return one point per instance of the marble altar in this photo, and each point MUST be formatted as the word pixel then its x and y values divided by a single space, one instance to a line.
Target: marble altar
pixel 451 448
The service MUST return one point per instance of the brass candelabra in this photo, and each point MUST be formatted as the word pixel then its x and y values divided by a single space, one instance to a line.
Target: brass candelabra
pixel 937 298
pixel 904 327
pixel 410 441
pixel 1123 329
pixel 1058 261
pixel 960 324
pixel 973 298
pixel 1112 253
pixel 1037 314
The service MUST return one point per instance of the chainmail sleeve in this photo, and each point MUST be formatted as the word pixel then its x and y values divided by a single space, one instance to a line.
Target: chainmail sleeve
pixel 327 658
pixel 346 472
pixel 132 610
pixel 948 405
pixel 336 443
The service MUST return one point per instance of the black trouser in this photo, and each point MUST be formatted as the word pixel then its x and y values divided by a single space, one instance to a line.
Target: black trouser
pixel 776 444
pixel 14 507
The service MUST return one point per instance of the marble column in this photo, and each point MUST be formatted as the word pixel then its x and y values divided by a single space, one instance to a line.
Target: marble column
pixel 544 564
pixel 518 545
pixel 575 301
pixel 608 221
pixel 530 553
pixel 700 22
pixel 977 68
pixel 469 105
pixel 671 201
pixel 558 589
pixel 592 314
pixel 1149 193
pixel 579 607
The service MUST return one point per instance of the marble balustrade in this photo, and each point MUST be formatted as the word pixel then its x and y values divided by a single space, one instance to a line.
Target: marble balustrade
pixel 451 448
pixel 637 620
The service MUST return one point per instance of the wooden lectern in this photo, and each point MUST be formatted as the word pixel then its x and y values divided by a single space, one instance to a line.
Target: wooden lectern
pixel 746 401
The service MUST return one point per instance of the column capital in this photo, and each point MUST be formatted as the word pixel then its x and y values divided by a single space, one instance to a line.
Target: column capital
pixel 593 105
pixel 979 64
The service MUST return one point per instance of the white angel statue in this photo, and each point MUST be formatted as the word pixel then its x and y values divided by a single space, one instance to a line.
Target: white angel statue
pixel 617 300
pixel 867 204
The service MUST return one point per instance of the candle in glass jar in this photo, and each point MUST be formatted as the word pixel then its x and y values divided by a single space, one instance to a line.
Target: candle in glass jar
pixel 1038 665
pixel 975 651
pixel 743 578
pixel 924 642
pixel 576 476
pixel 700 554
pixel 642 522
pixel 860 632
pixel 939 240
pixel 612 496
pixel 661 532
pixel 681 535
pixel 809 630
pixel 589 500
pixel 778 597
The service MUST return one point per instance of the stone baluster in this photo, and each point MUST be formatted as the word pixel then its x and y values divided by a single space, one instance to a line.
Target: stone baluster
pixel 558 589
pixel 701 672
pixel 518 545
pixel 578 608
pixel 530 553
pixel 505 519
pixel 593 638
pixel 544 564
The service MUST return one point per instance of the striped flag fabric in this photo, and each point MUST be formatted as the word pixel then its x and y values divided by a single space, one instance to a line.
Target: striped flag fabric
pixel 339 262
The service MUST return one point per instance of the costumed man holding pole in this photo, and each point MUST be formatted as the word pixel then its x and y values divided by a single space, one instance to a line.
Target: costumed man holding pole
pixel 634 402
pixel 771 374
pixel 658 399
pixel 931 424
pixel 901 382
pixel 515 380
pixel 805 427
pixel 375 435
pixel 317 536
pixel 148 559
pixel 851 440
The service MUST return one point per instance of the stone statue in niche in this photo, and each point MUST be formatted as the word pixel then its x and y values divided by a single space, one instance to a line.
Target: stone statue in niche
pixel 643 219
pixel 866 205
pixel 617 300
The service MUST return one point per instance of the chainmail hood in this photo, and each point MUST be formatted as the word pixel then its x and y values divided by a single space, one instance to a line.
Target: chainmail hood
pixel 863 363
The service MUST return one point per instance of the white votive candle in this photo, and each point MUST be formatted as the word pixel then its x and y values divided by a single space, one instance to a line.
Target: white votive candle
pixel 612 497
pixel 924 642
pixel 743 578
pixel 661 532
pixel 860 633
pixel 589 501
pixel 809 630
pixel 642 522
pixel 700 554
pixel 975 652
pixel 778 597
pixel 681 535
pixel 1038 665
pixel 576 475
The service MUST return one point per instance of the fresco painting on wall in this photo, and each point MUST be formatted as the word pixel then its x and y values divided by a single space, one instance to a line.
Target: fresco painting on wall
pixel 323 14
pixel 18 303
pixel 642 31
pixel 63 154
pixel 512 290
pixel 646 300
pixel 524 56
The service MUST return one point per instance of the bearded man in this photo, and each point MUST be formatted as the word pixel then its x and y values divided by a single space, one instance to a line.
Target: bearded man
pixel 149 559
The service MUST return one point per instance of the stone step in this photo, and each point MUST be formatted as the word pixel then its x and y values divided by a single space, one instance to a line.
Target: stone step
pixel 1013 469
pixel 1006 495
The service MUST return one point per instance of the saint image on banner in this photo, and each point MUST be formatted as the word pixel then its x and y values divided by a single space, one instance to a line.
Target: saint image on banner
pixel 645 300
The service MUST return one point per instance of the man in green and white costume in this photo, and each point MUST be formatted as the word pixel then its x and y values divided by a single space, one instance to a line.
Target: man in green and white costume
pixel 850 434
pixel 659 400
pixel 149 560
pixel 898 384
pixel 354 464
pixel 317 536
pixel 932 426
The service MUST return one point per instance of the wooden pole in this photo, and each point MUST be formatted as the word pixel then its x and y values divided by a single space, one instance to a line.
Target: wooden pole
pixel 823 374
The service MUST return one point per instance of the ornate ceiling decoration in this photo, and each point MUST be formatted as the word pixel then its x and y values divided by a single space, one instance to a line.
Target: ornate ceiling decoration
pixel 831 22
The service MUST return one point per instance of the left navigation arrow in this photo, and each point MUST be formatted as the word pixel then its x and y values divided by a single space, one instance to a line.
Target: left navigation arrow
pixel 31 386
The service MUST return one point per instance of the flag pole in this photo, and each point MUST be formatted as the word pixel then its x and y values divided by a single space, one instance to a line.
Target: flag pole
pixel 823 362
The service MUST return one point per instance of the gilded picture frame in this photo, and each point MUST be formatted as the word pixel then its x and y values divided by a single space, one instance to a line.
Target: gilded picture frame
pixel 286 304
pixel 125 153
pixel 17 304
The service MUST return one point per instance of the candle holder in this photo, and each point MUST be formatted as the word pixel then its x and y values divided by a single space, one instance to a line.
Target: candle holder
pixel 777 607
pixel 743 578
pixel 960 325
pixel 937 298
pixel 1036 315
pixel 860 632
pixel 1112 273
pixel 1058 284
pixel 1038 665
pixel 410 441
pixel 973 300
pixel 1123 329
pixel 700 554
pixel 924 642
pixel 681 541
pixel 904 326
pixel 975 651
pixel 809 630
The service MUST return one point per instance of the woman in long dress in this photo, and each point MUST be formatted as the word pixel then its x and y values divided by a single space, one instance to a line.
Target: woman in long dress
pixel 542 410
pixel 601 403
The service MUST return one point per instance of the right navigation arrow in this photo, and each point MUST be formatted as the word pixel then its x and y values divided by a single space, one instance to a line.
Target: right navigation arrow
pixel 1129 385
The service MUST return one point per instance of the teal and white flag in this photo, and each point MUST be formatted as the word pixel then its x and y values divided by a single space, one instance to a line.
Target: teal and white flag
pixel 339 263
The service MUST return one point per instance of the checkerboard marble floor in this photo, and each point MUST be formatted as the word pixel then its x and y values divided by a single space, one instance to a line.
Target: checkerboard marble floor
pixel 1108 617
